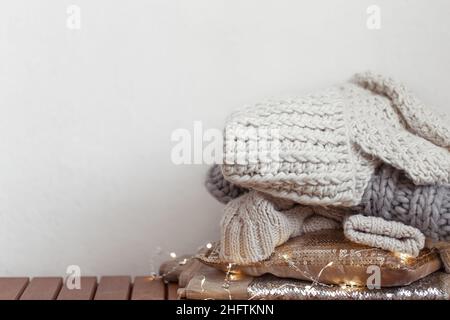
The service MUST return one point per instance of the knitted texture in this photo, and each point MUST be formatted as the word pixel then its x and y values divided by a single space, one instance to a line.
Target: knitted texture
pixel 392 196
pixel 254 224
pixel 420 120
pixel 322 149
pixel 387 235
pixel 219 188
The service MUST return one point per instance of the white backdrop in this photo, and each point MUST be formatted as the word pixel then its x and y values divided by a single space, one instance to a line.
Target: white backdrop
pixel 86 115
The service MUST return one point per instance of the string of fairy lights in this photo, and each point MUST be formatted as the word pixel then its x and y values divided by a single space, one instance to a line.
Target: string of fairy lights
pixel 233 273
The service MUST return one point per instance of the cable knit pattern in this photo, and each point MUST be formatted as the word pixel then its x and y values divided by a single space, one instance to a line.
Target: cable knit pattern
pixel 322 149
pixel 387 235
pixel 392 196
pixel 254 224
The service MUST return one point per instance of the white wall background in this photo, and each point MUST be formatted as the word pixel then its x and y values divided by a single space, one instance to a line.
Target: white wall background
pixel 86 115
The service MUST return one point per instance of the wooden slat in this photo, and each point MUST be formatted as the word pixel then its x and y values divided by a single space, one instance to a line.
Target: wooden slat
pixel 88 285
pixel 12 288
pixel 148 288
pixel 42 289
pixel 172 288
pixel 113 288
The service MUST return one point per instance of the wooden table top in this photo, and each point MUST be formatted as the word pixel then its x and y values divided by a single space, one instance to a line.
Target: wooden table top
pixel 108 288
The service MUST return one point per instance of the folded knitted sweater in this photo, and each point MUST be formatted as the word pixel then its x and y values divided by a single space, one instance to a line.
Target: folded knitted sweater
pixel 323 149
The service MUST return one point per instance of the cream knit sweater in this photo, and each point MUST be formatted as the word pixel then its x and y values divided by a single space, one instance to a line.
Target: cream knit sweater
pixel 323 148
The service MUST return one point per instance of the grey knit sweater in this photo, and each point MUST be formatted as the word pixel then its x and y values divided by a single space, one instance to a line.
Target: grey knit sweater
pixel 392 196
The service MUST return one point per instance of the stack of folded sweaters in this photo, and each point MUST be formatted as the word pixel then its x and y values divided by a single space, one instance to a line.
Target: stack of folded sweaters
pixel 359 167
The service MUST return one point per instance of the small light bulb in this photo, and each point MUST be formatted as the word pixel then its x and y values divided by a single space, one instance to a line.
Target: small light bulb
pixel 235 276
pixel 209 245
pixel 173 255
pixel 403 256
pixel 202 283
